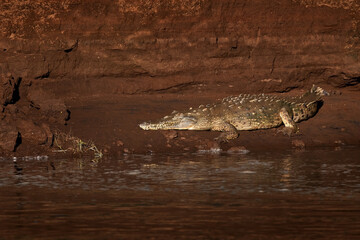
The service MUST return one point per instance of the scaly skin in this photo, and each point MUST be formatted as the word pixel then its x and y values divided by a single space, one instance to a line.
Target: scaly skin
pixel 244 112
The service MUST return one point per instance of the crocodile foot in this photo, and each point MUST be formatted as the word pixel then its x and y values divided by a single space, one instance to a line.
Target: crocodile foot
pixel 289 131
pixel 226 136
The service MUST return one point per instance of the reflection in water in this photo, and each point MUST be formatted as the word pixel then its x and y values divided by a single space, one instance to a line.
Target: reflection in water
pixel 302 195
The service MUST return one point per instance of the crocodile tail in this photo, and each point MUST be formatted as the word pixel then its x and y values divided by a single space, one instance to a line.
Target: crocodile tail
pixel 318 91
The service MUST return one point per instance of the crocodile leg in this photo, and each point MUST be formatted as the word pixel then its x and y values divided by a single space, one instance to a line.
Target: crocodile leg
pixel 290 126
pixel 228 131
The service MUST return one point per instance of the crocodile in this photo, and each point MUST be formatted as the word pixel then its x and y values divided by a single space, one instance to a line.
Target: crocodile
pixel 245 112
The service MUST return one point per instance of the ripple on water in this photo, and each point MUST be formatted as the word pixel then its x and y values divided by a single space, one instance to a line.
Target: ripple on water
pixel 256 195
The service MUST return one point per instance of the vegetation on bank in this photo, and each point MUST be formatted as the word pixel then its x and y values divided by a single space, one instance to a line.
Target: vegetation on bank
pixel 66 142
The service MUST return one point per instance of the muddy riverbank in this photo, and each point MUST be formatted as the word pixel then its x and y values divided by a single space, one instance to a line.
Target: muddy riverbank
pixel 114 120
pixel 95 70
pixel 111 123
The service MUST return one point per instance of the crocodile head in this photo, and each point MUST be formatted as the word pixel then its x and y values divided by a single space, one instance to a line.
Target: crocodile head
pixel 177 121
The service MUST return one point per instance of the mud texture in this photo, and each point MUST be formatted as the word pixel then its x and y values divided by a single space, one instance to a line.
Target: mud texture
pixel 97 69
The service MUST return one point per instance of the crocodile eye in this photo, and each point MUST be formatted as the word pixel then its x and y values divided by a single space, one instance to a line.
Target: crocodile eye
pixel 179 115
pixel 187 122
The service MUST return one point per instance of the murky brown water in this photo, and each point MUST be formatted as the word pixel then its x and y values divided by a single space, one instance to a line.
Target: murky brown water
pixel 303 195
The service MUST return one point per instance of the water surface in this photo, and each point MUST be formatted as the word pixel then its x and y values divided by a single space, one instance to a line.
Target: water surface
pixel 275 195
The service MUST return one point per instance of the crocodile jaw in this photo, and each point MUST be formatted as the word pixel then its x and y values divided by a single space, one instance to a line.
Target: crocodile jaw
pixel 150 126
pixel 176 122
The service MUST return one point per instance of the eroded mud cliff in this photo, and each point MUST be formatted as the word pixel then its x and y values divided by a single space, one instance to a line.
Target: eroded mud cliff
pixel 72 51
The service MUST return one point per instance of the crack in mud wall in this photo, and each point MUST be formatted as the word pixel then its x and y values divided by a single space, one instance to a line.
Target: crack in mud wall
pixel 24 121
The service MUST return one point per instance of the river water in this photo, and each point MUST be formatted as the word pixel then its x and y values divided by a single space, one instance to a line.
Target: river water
pixel 311 194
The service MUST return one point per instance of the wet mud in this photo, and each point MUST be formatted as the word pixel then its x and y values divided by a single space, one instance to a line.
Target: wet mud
pixel 110 122
pixel 114 120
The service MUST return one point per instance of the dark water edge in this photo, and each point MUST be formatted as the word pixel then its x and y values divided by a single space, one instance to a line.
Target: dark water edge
pixel 312 194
